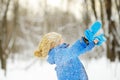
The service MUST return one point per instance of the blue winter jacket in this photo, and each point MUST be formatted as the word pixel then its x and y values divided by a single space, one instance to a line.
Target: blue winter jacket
pixel 68 65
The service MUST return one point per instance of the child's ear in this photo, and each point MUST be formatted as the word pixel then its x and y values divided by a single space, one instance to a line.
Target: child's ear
pixel 37 53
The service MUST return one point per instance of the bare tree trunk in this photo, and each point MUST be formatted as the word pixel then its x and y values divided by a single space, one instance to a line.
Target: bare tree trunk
pixel 15 26
pixel 102 13
pixel 3 40
pixel 117 3
pixel 112 44
pixel 112 30
pixel 110 52
pixel 108 6
pixel 119 55
pixel 87 19
pixel 93 7
pixel 2 57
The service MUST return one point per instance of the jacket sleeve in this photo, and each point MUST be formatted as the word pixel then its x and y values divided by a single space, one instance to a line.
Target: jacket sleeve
pixel 50 58
pixel 80 47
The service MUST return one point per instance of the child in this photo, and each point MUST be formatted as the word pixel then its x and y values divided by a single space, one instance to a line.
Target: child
pixel 68 65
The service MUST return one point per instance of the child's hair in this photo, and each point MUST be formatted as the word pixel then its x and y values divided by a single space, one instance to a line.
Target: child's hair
pixel 47 42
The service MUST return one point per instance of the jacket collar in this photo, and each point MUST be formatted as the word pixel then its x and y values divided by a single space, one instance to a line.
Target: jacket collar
pixel 64 45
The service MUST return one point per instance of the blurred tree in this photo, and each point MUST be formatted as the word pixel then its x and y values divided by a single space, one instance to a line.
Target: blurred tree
pixel 102 12
pixel 7 32
pixel 110 28
pixel 15 27
pixel 60 20
pixel 3 34
pixel 86 14
pixel 112 41
pixel 117 3
pixel 46 24
pixel 94 9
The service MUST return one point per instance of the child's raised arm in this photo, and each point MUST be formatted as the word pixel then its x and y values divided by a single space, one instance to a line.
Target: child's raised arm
pixel 81 46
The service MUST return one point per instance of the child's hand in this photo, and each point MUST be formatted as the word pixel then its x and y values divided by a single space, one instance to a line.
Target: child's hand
pixel 90 34
pixel 94 28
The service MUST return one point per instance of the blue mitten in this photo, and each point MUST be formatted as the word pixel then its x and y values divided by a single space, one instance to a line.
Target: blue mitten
pixel 101 38
pixel 89 33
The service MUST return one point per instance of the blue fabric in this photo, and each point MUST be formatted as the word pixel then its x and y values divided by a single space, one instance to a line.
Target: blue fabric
pixel 68 65
pixel 95 27
pixel 90 33
pixel 101 38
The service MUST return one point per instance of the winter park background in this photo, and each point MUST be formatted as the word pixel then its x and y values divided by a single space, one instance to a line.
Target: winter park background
pixel 23 22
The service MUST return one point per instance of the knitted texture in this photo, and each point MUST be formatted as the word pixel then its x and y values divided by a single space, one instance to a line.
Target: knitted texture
pixel 90 33
pixel 94 28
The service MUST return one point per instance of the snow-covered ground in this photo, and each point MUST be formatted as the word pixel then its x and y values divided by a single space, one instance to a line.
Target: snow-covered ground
pixel 100 69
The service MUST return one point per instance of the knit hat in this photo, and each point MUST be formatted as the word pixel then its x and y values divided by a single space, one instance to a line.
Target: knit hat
pixel 47 42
